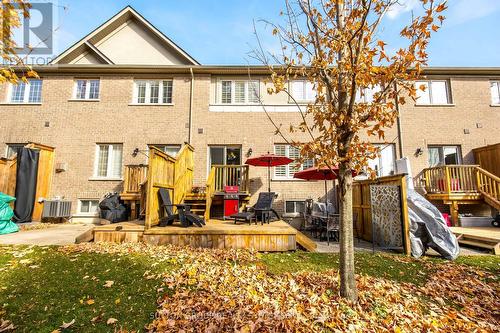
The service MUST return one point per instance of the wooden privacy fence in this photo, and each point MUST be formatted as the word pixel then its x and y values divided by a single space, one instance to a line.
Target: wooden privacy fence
pixel 488 158
pixel 164 171
pixel 8 171
pixel 362 207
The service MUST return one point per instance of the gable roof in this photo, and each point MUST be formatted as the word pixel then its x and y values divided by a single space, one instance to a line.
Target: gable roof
pixel 89 47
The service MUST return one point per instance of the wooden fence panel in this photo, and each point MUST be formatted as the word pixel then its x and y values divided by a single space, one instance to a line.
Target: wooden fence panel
pixel 488 158
pixel 44 177
pixel 362 206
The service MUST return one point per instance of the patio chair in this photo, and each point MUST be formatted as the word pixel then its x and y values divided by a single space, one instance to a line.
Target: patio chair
pixel 332 228
pixel 261 210
pixel 184 215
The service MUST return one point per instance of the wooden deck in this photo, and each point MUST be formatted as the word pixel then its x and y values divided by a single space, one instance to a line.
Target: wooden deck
pixel 276 236
pixel 485 237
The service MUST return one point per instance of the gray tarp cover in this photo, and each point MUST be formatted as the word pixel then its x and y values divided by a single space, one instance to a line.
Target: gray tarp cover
pixel 428 228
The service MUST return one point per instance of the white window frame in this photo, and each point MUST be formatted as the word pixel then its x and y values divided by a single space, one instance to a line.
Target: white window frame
pixel 363 94
pixel 79 209
pixel 449 100
pixel 135 97
pixel 8 147
pixel 247 100
pixel 27 91
pixel 162 147
pixel 441 153
pixel 87 90
pixel 304 98
pixel 295 212
pixel 492 89
pixel 289 167
pixel 381 147
pixel 109 171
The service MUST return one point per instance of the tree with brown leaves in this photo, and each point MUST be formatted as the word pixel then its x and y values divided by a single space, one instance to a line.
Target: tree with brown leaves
pixel 13 66
pixel 336 46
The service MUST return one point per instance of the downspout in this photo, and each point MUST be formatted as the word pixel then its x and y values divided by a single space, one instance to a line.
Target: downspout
pixel 400 138
pixel 191 101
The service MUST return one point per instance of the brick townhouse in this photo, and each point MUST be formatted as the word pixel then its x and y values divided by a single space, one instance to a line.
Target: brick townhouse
pixel 126 86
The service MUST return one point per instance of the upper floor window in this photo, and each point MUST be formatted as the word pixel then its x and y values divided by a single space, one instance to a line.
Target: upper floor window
pixel 444 155
pixel 153 91
pixel 384 163
pixel 87 89
pixel 287 171
pixel 435 92
pixel 366 95
pixel 239 92
pixel 23 92
pixel 495 92
pixel 302 91
pixel 108 161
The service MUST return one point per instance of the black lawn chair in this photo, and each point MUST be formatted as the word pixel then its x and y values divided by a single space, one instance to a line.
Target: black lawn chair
pixel 261 210
pixel 184 215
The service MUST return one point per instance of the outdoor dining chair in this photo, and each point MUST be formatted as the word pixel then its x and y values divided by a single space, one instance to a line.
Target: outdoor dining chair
pixel 332 228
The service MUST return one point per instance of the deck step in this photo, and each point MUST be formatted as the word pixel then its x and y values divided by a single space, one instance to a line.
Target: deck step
pixel 305 242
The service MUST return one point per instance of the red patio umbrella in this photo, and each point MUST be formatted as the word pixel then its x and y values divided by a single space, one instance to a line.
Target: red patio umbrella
pixel 323 173
pixel 269 160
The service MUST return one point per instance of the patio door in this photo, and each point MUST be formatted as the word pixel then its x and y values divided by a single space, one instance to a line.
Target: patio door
pixel 225 156
pixel 444 155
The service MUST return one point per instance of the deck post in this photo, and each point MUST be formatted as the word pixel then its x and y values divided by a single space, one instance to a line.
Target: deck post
pixel 454 213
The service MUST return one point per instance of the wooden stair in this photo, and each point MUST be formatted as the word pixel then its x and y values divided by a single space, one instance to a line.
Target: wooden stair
pixel 197 202
pixel 305 242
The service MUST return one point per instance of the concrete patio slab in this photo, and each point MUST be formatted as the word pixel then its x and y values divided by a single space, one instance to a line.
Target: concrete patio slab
pixel 63 234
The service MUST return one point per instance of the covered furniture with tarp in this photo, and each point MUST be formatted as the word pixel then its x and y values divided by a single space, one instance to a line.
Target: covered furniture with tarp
pixel 6 214
pixel 112 209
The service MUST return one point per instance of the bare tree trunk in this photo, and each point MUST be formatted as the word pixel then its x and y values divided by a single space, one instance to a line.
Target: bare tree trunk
pixel 347 279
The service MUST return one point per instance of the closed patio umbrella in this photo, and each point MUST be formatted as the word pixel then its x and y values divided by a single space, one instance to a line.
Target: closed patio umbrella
pixel 269 160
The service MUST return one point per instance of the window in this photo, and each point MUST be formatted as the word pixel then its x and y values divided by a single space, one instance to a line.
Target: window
pixel 108 161
pixel 366 95
pixel 287 171
pixel 87 89
pixel 239 92
pixel 171 150
pixel 13 148
pixel 88 207
pixel 26 92
pixel 302 91
pixel 495 92
pixel 436 92
pixel 384 164
pixel 444 155
pixel 297 207
pixel 153 92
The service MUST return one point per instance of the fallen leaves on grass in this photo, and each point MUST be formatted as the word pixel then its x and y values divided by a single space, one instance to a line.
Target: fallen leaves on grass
pixel 67 325
pixel 108 284
pixel 230 290
pixel 6 325
pixel 111 321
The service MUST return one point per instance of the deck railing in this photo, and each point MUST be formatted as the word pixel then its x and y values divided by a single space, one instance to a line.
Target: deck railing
pixel 134 176
pixel 225 175
pixel 230 175
pixel 449 180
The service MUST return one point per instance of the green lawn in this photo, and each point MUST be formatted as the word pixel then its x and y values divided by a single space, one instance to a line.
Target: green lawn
pixel 41 287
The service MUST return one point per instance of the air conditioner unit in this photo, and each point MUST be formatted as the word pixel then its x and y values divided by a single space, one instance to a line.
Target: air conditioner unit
pixel 56 208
